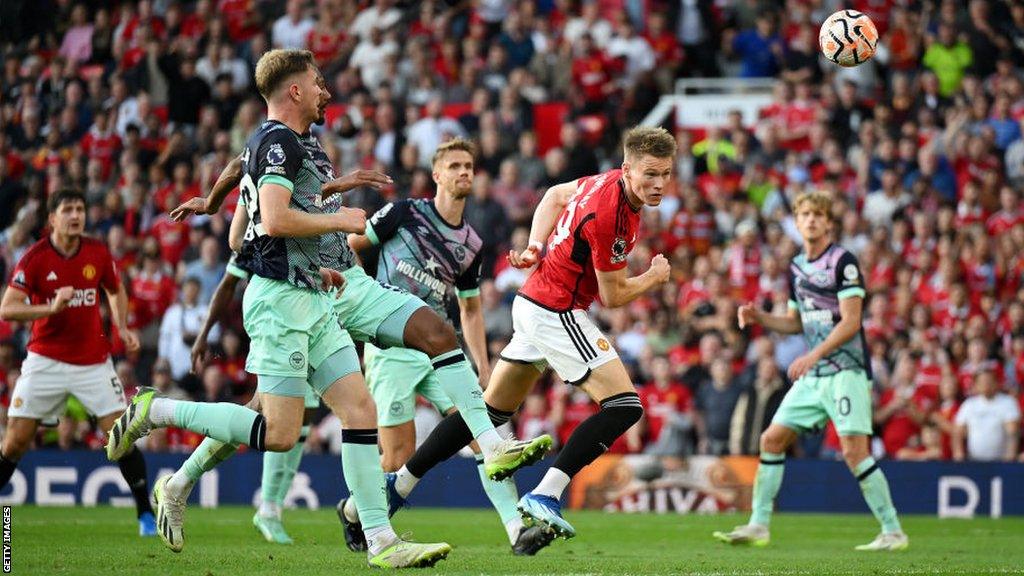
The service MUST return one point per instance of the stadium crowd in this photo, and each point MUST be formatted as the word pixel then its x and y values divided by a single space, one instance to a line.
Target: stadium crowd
pixel 142 103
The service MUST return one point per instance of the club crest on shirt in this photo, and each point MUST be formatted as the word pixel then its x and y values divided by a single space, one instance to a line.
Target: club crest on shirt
pixel 275 156
pixel 618 250
pixel 89 272
pixel 603 344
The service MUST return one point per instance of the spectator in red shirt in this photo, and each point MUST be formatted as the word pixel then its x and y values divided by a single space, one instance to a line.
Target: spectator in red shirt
pixel 668 411
pixel 902 409
pixel 593 74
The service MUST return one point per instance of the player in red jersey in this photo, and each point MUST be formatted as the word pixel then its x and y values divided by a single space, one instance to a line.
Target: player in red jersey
pixel 56 286
pixel 590 226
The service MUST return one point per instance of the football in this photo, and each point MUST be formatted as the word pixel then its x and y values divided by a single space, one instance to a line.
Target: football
pixel 848 38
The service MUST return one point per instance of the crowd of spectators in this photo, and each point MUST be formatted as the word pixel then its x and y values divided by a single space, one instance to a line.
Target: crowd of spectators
pixel 142 103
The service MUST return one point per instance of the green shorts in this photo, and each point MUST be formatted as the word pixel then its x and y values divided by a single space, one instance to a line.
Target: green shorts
pixel 296 339
pixel 395 376
pixel 312 399
pixel 372 313
pixel 844 398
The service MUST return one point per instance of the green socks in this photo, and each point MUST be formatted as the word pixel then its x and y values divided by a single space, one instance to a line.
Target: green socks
pixel 206 457
pixel 360 462
pixel 503 495
pixel 229 423
pixel 460 383
pixel 279 469
pixel 766 487
pixel 876 493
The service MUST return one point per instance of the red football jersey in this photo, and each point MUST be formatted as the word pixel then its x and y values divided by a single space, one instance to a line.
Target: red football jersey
pixel 74 335
pixel 596 231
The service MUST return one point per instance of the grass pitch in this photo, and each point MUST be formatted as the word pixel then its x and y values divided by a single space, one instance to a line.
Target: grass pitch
pixel 222 542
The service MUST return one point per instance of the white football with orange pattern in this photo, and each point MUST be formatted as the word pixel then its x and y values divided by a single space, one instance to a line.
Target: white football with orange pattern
pixel 848 38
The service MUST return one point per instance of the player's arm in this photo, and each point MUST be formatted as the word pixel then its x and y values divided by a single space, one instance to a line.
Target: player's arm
pixel 355 179
pixel 617 289
pixel 545 217
pixel 228 180
pixel 381 227
pixel 239 222
pixel 788 323
pixel 15 305
pixel 472 315
pixel 281 221
pixel 219 303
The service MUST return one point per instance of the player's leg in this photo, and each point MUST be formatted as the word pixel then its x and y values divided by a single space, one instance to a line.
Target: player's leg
pixel 17 441
pixel 279 469
pixel 133 469
pixel 99 392
pixel 800 410
pixel 349 399
pixel 847 396
pixel 204 458
pixel 337 379
pixel 611 387
pixel 510 383
pixel 39 394
pixel 425 331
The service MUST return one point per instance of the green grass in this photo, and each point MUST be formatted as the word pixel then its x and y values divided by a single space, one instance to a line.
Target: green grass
pixel 222 542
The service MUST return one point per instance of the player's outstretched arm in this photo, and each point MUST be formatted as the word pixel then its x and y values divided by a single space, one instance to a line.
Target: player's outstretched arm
pixel 544 219
pixel 749 315
pixel 222 297
pixel 616 289
pixel 229 178
pixel 279 220
pixel 15 306
pixel 355 179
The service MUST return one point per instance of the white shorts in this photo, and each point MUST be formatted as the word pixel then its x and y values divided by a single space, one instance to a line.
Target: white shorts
pixel 42 391
pixel 567 341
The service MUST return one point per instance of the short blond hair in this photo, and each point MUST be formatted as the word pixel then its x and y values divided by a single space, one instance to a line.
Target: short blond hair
pixel 649 141
pixel 817 200
pixel 455 144
pixel 276 66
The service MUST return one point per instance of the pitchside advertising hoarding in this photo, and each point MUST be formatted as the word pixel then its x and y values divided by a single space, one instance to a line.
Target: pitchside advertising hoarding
pixel 698 485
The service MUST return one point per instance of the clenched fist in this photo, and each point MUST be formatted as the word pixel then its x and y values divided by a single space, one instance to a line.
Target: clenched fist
pixel 660 269
pixel 351 220
pixel 61 299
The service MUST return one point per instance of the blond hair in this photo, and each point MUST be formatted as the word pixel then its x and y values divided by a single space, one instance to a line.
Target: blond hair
pixel 817 201
pixel 276 66
pixel 649 141
pixel 455 144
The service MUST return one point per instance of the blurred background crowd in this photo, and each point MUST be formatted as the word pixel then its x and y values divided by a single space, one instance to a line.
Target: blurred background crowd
pixel 142 103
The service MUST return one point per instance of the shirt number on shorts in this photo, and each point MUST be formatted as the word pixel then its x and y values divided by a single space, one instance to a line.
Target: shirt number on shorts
pixel 118 390
pixel 844 406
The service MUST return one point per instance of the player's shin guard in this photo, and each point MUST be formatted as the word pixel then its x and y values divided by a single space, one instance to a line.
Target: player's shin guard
pixel 7 468
pixel 766 487
pixel 593 437
pixel 461 385
pixel 876 493
pixel 447 438
pixel 360 462
pixel 229 423
pixel 133 468
pixel 279 469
